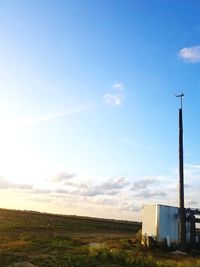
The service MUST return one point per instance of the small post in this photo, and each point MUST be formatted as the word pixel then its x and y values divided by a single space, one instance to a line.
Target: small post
pixel 182 219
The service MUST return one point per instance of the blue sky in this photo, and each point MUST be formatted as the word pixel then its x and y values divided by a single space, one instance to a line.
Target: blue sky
pixel 87 107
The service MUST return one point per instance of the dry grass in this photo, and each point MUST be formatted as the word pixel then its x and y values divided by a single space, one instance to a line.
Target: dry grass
pixel 30 239
pixel 15 244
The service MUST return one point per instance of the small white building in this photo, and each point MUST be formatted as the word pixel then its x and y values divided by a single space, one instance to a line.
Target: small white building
pixel 160 223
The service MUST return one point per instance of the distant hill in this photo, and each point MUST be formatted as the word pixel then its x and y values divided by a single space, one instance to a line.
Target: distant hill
pixel 20 221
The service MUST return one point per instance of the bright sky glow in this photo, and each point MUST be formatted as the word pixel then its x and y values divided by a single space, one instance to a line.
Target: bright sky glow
pixel 89 121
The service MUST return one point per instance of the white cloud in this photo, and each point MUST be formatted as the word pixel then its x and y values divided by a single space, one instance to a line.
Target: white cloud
pixel 190 54
pixel 114 198
pixel 64 176
pixel 144 183
pixel 62 191
pixel 40 191
pixel 118 183
pixel 6 184
pixel 118 86
pixel 116 96
pixel 115 100
pixel 110 187
pixel 69 183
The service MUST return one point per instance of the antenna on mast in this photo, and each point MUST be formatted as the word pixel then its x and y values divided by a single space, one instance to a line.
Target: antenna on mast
pixel 181 96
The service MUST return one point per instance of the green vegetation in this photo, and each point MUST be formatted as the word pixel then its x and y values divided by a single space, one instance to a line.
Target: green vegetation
pixel 30 239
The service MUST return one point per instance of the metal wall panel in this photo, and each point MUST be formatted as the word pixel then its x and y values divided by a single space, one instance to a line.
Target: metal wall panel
pixel 168 223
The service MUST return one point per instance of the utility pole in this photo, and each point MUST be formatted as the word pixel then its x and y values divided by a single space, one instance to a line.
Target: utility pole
pixel 182 219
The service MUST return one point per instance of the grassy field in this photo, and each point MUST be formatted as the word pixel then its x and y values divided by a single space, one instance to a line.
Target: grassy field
pixel 30 239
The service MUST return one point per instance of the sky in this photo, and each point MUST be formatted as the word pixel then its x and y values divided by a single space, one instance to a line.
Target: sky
pixel 88 113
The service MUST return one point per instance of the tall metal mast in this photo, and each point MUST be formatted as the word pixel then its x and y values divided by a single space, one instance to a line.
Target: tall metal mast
pixel 182 226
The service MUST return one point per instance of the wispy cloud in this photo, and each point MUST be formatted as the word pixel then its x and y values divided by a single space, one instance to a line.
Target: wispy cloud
pixel 57 115
pixel 190 54
pixel 116 96
pixel 6 184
